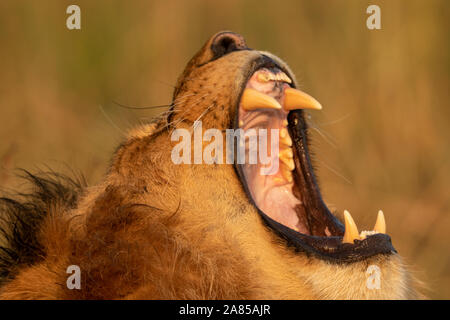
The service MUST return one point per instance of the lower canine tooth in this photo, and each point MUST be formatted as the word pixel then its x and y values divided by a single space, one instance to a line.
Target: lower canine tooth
pixel 380 224
pixel 351 230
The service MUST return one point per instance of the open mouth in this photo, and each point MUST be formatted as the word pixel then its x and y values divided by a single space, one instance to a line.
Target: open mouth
pixel 289 199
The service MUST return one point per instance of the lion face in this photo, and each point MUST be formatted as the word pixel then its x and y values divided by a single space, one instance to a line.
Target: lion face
pixel 227 85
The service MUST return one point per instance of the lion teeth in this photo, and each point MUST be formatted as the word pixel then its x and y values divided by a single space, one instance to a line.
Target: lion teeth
pixel 351 230
pixel 284 77
pixel 287 164
pixel 285 172
pixel 285 138
pixel 287 153
pixel 263 77
pixel 266 76
pixel 364 234
pixel 296 99
pixel 380 224
pixel 253 99
pixel 286 156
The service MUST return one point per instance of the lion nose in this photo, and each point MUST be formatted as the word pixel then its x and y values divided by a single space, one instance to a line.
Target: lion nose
pixel 226 42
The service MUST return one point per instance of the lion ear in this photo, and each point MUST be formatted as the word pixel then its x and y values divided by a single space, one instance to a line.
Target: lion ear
pixel 225 42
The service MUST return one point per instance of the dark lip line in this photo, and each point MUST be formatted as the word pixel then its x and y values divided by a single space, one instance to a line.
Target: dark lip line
pixel 327 248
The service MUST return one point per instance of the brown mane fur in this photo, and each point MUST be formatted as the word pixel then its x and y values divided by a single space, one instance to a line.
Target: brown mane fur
pixel 155 230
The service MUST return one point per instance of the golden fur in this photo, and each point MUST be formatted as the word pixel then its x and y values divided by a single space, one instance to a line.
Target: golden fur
pixel 156 230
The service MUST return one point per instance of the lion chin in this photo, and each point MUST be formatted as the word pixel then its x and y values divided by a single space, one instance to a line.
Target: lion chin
pixel 153 229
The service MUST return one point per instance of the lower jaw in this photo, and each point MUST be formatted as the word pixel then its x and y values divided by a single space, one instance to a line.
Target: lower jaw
pixel 332 249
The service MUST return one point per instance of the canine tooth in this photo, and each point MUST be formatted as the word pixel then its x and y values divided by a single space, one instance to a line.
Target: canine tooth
pixel 351 230
pixel 285 172
pixel 296 99
pixel 380 224
pixel 253 99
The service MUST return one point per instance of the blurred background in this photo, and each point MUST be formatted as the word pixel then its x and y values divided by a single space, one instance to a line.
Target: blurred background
pixel 381 142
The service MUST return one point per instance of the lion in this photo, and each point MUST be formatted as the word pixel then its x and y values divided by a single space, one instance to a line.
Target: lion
pixel 156 229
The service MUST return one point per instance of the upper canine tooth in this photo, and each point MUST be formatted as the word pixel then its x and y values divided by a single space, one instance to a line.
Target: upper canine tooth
pixel 380 224
pixel 351 230
pixel 296 99
pixel 253 99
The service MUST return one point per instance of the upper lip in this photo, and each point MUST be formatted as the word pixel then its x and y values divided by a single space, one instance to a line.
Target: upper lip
pixel 329 248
